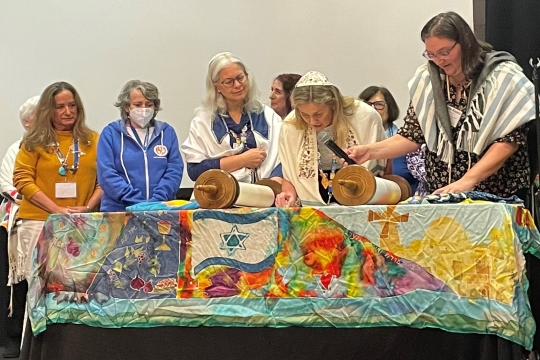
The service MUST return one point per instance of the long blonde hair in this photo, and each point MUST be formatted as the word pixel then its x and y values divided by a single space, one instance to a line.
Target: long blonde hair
pixel 42 132
pixel 343 107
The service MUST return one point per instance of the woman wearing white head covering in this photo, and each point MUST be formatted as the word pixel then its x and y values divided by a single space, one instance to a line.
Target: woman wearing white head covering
pixel 233 130
pixel 308 165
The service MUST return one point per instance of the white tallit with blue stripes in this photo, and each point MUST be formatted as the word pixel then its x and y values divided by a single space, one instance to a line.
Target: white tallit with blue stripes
pixel 500 101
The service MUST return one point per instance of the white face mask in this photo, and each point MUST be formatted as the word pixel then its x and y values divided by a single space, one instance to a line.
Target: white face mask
pixel 141 116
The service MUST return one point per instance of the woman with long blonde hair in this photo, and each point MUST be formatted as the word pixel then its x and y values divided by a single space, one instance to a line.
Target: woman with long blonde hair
pixel 308 165
pixel 55 169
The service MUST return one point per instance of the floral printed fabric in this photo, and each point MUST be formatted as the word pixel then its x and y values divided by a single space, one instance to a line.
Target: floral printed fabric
pixel 416 165
pixel 460 197
pixel 307 157
pixel 306 168
pixel 509 179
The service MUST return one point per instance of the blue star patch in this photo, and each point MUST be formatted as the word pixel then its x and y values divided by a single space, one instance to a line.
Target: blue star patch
pixel 233 240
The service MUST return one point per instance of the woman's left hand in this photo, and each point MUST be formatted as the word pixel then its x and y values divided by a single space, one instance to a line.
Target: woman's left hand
pixel 285 199
pixel 461 185
pixel 77 209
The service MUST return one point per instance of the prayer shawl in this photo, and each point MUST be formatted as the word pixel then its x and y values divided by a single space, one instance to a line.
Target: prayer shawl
pixel 8 212
pixel 298 150
pixel 9 209
pixel 210 140
pixel 500 101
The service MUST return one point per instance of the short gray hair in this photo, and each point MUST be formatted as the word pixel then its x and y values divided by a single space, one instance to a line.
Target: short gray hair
pixel 28 107
pixel 149 91
pixel 214 101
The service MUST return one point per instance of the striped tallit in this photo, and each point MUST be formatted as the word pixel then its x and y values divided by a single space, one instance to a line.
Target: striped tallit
pixel 502 102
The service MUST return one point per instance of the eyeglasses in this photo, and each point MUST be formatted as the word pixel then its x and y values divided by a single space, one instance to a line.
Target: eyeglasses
pixel 441 54
pixel 230 81
pixel 378 105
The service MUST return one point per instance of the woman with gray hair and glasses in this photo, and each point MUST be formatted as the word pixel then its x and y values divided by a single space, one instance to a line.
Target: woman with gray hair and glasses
pixel 233 130
pixel 138 156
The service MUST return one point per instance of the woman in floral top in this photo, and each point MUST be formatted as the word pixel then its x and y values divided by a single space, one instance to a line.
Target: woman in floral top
pixel 470 106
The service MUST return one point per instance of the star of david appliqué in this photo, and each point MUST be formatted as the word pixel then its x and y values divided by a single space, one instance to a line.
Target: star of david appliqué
pixel 233 240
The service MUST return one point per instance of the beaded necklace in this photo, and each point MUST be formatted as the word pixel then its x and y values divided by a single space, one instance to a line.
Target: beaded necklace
pixel 73 148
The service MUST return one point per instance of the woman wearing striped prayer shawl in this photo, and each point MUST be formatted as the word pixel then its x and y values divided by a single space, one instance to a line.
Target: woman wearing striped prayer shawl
pixel 470 105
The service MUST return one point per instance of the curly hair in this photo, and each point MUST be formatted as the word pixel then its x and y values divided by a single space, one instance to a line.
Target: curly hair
pixel 149 91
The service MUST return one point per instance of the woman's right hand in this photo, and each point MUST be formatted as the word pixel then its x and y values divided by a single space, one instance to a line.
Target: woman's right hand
pixel 360 154
pixel 285 199
pixel 253 158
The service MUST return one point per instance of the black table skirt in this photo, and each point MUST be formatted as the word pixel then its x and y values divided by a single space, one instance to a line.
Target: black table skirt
pixel 80 342
pixel 4 289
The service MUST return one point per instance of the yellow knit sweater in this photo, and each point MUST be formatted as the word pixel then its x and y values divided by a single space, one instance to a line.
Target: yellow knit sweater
pixel 37 170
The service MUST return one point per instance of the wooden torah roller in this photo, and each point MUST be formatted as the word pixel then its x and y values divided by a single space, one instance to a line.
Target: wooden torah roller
pixel 356 185
pixel 217 189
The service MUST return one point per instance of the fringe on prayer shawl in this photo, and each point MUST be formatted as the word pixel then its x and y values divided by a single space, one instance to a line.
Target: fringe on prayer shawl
pixel 16 255
pixel 16 270
pixel 445 149
pixel 475 114
pixel 17 262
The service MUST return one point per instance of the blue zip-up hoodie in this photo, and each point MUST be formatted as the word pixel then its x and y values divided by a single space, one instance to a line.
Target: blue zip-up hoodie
pixel 128 174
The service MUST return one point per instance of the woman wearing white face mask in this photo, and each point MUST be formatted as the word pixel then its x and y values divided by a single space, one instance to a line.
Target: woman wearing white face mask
pixel 138 156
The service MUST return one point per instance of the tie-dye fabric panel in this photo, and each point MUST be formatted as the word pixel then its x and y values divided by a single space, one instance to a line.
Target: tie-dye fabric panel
pixel 458 267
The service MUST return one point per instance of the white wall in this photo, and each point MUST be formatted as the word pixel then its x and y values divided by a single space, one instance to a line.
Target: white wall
pixel 98 45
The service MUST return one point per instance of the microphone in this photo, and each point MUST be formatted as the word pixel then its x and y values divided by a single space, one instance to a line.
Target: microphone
pixel 330 144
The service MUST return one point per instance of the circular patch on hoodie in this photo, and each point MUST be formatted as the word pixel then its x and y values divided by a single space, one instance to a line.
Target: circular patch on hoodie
pixel 161 150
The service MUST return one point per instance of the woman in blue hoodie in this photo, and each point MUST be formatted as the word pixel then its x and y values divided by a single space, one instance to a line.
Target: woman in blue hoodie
pixel 138 156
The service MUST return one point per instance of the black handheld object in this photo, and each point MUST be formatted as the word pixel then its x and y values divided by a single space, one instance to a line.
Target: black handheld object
pixel 335 148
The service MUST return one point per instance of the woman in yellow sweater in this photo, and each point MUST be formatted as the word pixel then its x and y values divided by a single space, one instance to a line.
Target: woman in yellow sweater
pixel 55 169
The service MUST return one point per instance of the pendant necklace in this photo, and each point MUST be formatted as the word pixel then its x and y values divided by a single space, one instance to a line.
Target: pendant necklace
pixel 73 148
pixel 240 139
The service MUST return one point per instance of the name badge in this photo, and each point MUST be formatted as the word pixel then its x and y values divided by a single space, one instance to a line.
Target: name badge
pixel 66 190
pixel 455 115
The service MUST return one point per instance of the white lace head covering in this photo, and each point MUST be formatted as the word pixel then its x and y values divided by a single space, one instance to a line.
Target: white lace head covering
pixel 312 78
